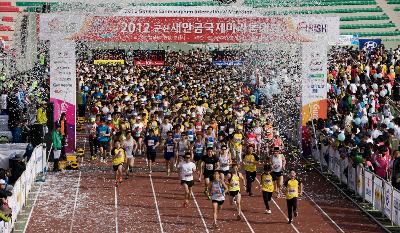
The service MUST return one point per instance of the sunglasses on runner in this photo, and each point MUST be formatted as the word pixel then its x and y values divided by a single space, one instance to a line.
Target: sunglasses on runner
pixel 187 157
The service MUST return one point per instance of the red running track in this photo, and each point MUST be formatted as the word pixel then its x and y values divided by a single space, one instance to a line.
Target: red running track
pixel 87 201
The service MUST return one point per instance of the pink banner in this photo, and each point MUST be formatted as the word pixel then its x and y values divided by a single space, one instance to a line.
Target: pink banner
pixel 69 109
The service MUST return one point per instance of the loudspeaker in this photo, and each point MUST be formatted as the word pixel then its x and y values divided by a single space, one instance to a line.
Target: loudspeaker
pixel 37 134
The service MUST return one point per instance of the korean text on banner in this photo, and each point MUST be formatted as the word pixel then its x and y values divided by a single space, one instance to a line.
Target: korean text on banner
pixel 360 181
pixel 378 193
pixel 351 178
pixel 396 207
pixel 314 82
pixel 222 29
pixel 387 205
pixel 368 188
pixel 63 85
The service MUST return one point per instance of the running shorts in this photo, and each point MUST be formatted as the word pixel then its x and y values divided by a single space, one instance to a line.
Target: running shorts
pixel 104 145
pixel 188 183
pixel 197 157
pixel 219 202
pixel 224 172
pixel 168 156
pixel 209 175
pixel 151 155
pixel 233 193
pixel 115 167
pixel 276 175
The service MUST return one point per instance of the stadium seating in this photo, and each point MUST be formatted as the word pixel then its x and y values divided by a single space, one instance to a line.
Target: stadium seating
pixel 366 17
pixel 357 26
pixel 362 17
pixel 306 3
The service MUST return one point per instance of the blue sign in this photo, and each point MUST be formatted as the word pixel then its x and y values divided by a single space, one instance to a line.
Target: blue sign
pixel 228 63
pixel 369 44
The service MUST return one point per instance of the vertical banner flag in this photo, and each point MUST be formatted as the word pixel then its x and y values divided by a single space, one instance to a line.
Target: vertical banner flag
pixel 351 178
pixel 360 181
pixel 63 85
pixel 378 193
pixel 396 207
pixel 387 205
pixel 314 92
pixel 368 182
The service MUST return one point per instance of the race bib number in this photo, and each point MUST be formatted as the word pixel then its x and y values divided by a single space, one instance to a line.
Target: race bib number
pixel 191 138
pixel 234 183
pixel 170 149
pixel 150 143
pixel 199 150
pixel 268 181
pixel 292 191
pixel 210 144
pixel 210 166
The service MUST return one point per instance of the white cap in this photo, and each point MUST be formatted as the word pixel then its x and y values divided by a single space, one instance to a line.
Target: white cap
pixel 2 181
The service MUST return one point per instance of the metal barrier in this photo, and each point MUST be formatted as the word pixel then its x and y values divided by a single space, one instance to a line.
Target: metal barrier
pixel 370 187
pixel 36 165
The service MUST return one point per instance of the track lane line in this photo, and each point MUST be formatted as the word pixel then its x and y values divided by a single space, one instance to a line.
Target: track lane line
pixel 33 206
pixel 76 200
pixel 283 213
pixel 324 213
pixel 247 222
pixel 155 202
pixel 116 209
pixel 201 215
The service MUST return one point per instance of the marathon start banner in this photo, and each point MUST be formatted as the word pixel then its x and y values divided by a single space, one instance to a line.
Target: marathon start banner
pixel 168 29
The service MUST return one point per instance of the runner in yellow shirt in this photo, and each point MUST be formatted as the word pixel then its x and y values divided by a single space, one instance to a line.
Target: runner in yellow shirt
pixel 267 187
pixel 294 189
pixel 234 178
pixel 237 145
pixel 118 154
pixel 250 166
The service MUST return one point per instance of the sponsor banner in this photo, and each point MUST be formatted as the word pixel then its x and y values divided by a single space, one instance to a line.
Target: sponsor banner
pixel 368 186
pixel 387 204
pixel 346 40
pixel 314 82
pixel 378 193
pixel 223 29
pixel 227 58
pixel 396 207
pixel 369 44
pixel 63 85
pixel 108 62
pixel 148 63
pixel 148 57
pixel 360 181
pixel 351 178
pixel 228 63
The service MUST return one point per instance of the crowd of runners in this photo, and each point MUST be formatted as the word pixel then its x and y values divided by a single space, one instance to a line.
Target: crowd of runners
pixel 203 120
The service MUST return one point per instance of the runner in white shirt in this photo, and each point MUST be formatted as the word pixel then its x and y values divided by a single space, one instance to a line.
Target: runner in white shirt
pixel 278 165
pixel 186 169
pixel 258 130
pixel 165 127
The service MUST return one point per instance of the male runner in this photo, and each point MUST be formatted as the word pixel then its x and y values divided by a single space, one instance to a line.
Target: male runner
pixel 186 168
